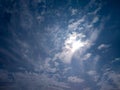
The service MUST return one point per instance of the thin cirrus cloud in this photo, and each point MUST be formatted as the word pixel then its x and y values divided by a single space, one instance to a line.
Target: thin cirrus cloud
pixel 33 80
pixel 74 79
pixel 109 75
pixel 59 43
pixel 103 46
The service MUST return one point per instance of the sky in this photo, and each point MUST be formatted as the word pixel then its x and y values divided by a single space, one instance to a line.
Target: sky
pixel 59 45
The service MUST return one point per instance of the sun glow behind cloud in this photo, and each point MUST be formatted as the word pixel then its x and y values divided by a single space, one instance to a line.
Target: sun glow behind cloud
pixel 74 42
pixel 76 45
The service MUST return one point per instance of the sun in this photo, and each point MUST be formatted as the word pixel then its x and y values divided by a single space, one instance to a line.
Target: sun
pixel 76 45
pixel 73 43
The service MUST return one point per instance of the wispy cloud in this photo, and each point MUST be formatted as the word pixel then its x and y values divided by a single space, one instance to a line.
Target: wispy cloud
pixel 116 60
pixel 87 56
pixel 71 44
pixel 110 80
pixel 93 74
pixel 78 41
pixel 75 79
pixel 103 46
pixel 32 81
pixel 75 25
pixel 51 46
pixel 74 11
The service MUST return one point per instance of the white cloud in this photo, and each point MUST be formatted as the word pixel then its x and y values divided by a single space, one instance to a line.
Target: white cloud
pixel 40 18
pixel 71 45
pixel 116 60
pixel 74 25
pixel 94 35
pixel 105 83
pixel 31 81
pixel 74 11
pixel 80 40
pixel 47 66
pixel 95 19
pixel 95 11
pixel 92 72
pixel 115 77
pixel 75 79
pixel 87 56
pixel 56 64
pixel 103 46
pixel 67 69
pixel 93 75
pixel 76 42
pixel 95 60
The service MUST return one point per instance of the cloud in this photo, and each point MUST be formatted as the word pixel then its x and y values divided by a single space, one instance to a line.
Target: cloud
pixel 40 19
pixel 74 25
pixel 45 45
pixel 92 72
pixel 67 69
pixel 47 66
pixel 71 44
pixel 87 56
pixel 77 42
pixel 73 11
pixel 31 81
pixel 95 19
pixel 110 81
pixel 93 75
pixel 103 46
pixel 75 79
pixel 116 60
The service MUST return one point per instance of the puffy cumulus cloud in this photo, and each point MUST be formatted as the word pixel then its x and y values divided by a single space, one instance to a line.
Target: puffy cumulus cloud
pixel 103 46
pixel 74 79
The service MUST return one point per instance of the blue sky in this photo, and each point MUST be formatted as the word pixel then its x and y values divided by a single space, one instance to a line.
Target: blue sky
pixel 59 45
